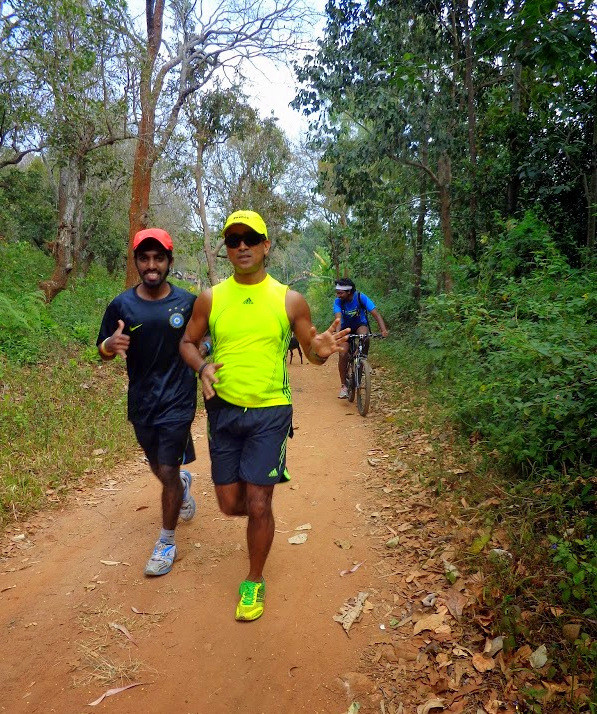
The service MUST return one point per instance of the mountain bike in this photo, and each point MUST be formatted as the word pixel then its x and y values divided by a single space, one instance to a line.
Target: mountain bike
pixel 358 372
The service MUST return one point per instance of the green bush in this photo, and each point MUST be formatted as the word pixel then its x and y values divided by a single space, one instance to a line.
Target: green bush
pixel 59 403
pixel 29 328
pixel 516 358
pixel 78 310
pixel 578 557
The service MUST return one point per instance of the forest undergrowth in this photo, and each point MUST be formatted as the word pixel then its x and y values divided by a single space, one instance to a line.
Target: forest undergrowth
pixel 508 533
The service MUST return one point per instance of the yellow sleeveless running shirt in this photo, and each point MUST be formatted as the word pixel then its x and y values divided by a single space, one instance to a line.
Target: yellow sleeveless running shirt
pixel 250 333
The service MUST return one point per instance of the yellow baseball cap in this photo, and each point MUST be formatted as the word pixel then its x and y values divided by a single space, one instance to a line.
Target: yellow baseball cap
pixel 247 218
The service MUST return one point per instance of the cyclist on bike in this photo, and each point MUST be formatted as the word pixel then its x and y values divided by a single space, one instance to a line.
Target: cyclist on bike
pixel 352 307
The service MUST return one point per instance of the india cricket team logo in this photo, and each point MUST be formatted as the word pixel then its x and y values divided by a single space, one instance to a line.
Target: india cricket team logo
pixel 176 320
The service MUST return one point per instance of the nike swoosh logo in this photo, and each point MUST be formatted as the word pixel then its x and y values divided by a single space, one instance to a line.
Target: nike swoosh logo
pixel 132 329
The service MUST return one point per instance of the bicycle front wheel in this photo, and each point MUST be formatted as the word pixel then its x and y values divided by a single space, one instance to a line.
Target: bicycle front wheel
pixel 350 381
pixel 364 388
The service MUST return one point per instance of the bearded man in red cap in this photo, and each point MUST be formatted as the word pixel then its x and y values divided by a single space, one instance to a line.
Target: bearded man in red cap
pixel 144 325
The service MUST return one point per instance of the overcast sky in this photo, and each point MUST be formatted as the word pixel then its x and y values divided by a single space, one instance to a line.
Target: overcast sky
pixel 274 86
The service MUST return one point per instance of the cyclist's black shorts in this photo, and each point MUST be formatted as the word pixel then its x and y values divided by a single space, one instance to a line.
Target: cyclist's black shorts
pixel 168 444
pixel 354 325
pixel 249 444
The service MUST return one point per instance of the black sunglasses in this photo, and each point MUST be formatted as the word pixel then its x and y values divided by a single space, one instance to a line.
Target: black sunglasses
pixel 249 239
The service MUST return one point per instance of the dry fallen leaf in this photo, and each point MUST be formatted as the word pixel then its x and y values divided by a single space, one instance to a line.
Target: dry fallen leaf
pixel 304 527
pixel 539 657
pixel 570 631
pixel 492 647
pixel 110 562
pixel 144 612
pixel 428 623
pixel 431 704
pixel 483 663
pixel 344 544
pixel 455 602
pixel 351 611
pixel 298 539
pixel 352 570
pixel 125 632
pixel 111 692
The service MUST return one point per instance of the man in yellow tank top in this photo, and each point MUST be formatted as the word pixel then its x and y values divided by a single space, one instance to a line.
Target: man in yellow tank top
pixel 250 317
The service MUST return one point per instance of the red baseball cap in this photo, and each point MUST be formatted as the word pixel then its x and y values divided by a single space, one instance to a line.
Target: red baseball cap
pixel 157 234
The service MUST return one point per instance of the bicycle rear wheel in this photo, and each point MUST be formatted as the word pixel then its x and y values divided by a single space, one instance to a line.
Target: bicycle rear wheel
pixel 364 388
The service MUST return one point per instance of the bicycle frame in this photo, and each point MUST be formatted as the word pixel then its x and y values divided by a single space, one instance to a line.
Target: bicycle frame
pixel 358 376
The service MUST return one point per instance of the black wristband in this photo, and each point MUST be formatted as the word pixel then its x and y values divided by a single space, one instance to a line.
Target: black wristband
pixel 321 360
pixel 200 370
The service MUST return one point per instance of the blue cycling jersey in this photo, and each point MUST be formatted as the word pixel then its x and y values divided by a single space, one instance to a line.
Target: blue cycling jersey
pixel 353 313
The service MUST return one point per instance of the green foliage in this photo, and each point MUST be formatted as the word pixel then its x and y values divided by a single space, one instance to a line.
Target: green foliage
pixel 23 266
pixel 28 327
pixel 27 205
pixel 578 557
pixel 516 359
pixel 58 402
pixel 320 293
pixel 53 416
pixel 78 309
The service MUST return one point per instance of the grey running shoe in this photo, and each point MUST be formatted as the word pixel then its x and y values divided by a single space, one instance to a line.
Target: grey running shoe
pixel 162 558
pixel 187 510
pixel 343 392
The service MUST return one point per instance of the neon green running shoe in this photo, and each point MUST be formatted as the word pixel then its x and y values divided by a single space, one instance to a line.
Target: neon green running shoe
pixel 252 596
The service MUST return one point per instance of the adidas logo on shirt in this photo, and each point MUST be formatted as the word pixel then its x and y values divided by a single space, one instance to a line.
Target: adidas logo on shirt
pixel 248 301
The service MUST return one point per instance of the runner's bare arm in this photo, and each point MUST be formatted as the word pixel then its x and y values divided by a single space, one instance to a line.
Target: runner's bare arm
pixel 190 350
pixel 317 346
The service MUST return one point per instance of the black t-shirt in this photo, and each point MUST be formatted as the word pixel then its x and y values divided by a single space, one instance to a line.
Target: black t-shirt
pixel 162 388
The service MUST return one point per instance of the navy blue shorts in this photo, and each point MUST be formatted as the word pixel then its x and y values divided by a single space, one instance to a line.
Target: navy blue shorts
pixel 354 325
pixel 167 444
pixel 249 444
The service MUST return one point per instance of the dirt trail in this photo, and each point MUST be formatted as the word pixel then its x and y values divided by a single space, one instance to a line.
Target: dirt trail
pixel 58 600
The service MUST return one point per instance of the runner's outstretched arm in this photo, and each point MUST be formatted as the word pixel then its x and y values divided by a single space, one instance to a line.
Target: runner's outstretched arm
pixel 316 346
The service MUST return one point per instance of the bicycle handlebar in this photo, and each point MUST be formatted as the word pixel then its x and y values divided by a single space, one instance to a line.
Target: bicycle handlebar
pixel 365 337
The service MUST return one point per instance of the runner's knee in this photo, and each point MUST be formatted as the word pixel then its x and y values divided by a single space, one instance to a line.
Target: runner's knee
pixel 259 501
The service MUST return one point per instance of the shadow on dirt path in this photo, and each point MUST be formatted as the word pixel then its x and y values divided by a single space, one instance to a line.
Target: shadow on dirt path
pixel 68 588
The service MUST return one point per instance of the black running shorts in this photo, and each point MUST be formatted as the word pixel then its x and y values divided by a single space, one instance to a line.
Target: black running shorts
pixel 249 445
pixel 168 444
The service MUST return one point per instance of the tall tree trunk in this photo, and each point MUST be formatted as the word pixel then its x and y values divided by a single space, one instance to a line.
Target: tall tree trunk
pixel 145 150
pixel 514 139
pixel 71 187
pixel 513 187
pixel 210 255
pixel 84 264
pixel 472 124
pixel 418 248
pixel 141 188
pixel 591 188
pixel 444 175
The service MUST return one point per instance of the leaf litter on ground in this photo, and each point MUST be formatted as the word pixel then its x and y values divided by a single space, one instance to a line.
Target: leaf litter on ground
pixel 298 539
pixel 112 692
pixel 351 611
pixel 351 570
